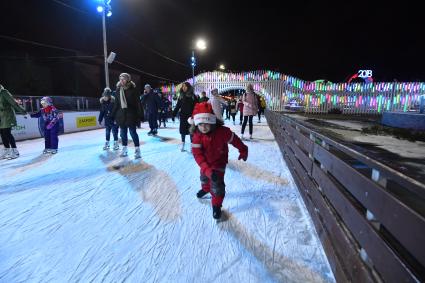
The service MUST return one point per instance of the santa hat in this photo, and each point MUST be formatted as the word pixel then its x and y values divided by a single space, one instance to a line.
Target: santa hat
pixel 203 113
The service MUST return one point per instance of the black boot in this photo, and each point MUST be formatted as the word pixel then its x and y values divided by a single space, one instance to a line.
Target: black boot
pixel 216 212
pixel 201 193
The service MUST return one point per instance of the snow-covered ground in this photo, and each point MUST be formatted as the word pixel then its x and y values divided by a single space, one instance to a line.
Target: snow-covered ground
pixel 77 217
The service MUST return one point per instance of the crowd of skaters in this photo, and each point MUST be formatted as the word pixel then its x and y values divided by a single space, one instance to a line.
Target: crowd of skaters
pixel 123 110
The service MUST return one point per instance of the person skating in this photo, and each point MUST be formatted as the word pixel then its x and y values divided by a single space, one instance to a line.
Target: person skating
pixel 153 104
pixel 240 108
pixel 128 112
pixel 203 97
pixel 261 102
pixel 233 109
pixel 165 106
pixel 250 108
pixel 107 102
pixel 50 116
pixel 185 105
pixel 210 149
pixel 217 101
pixel 8 109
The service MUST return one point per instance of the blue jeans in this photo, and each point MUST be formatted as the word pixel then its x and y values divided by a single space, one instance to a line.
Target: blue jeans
pixel 114 129
pixel 133 134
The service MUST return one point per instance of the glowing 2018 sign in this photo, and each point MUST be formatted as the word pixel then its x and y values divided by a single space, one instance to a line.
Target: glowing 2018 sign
pixel 366 75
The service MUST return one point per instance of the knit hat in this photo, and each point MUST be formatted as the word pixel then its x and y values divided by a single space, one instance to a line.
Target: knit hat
pixel 126 76
pixel 203 114
pixel 107 91
pixel 148 86
pixel 47 100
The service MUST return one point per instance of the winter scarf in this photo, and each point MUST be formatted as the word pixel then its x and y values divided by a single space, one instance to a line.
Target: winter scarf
pixel 122 93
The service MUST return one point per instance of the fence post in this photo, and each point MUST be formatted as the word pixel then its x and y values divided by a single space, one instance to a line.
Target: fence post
pixel 78 105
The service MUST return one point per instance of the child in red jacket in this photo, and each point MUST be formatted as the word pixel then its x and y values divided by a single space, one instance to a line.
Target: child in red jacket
pixel 210 149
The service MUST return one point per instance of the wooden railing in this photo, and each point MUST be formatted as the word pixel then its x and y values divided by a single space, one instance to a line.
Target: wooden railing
pixel 369 217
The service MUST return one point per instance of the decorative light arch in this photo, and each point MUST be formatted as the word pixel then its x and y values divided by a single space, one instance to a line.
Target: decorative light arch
pixel 317 97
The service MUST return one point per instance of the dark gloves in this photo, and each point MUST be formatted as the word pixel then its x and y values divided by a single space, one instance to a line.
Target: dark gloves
pixel 243 155
pixel 173 119
pixel 211 174
pixel 49 126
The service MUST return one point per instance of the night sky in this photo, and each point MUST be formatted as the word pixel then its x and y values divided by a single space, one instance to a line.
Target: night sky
pixel 307 39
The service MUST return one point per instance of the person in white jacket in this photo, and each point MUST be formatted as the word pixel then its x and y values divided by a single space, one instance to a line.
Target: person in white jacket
pixel 216 102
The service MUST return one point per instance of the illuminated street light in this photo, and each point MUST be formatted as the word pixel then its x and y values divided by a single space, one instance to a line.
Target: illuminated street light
pixel 200 45
pixel 104 7
pixel 221 67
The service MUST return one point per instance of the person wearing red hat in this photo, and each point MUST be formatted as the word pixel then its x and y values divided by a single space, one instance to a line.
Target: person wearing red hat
pixel 210 149
pixel 50 115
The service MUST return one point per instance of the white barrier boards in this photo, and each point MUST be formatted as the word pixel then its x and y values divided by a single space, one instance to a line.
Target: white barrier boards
pixel 71 121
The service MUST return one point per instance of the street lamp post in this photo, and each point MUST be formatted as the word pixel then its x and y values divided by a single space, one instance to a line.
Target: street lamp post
pixel 193 63
pixel 200 45
pixel 105 8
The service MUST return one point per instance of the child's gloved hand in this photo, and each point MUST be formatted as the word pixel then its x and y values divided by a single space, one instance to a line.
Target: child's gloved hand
pixel 211 174
pixel 243 155
pixel 173 119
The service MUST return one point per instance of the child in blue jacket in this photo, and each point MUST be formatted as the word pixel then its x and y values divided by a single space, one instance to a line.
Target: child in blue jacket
pixel 50 116
pixel 106 105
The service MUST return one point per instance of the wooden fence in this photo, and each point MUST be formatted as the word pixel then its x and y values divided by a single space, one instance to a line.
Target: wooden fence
pixel 369 217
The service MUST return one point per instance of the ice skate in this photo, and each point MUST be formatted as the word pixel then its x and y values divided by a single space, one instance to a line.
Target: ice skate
pixel 116 145
pixel 13 153
pixel 4 154
pixel 137 153
pixel 250 137
pixel 216 212
pixel 46 151
pixel 106 146
pixel 201 194
pixel 124 152
pixel 15 150
pixel 53 151
pixel 182 148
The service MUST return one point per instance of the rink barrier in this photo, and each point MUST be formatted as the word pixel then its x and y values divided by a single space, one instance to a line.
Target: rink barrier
pixel 70 122
pixel 369 217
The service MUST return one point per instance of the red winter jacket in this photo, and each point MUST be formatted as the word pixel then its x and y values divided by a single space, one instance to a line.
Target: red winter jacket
pixel 211 150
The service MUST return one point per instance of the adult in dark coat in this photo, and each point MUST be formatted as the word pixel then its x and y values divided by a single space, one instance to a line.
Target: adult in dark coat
pixel 128 112
pixel 153 105
pixel 185 105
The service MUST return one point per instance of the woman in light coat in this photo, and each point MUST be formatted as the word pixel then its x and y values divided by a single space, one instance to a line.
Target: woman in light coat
pixel 250 109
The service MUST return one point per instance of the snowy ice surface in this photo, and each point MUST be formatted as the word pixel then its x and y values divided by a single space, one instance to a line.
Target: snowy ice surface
pixel 78 216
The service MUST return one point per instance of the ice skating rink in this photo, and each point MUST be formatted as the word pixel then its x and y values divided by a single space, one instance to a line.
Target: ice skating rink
pixel 88 215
